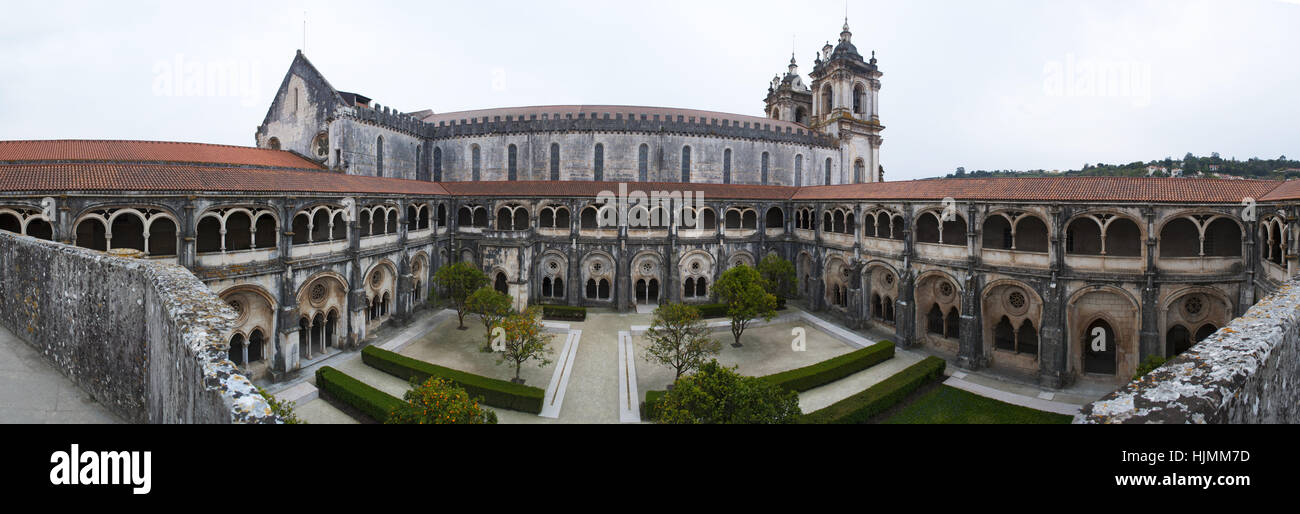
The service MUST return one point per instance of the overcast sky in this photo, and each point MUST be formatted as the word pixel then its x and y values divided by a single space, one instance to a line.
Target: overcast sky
pixel 984 85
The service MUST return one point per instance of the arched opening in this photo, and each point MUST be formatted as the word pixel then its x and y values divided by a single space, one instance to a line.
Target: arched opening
pixel 827 99
pixel 555 161
pixel 208 235
pixel 521 219
pixel 686 164
pixel 775 218
pixel 1098 343
pixel 1083 237
pixel 701 287
pixel 236 352
pixel 480 217
pixel 1004 335
pixel 1205 331
pixel 546 287
pixel 442 215
pixel 591 289
pixel 1031 235
pixel 255 346
pixel 500 284
pixel 763 175
pixel 512 166
pixel 300 231
pixel 437 164
pixel 1177 340
pixel 423 221
pixel 304 338
pixel 997 233
pixel 726 166
pixel 476 163
pixel 927 228
pixel 826 170
pixel 896 228
pixel 318 333
pixel 858 170
pixel 320 226
pixel 589 217
pixel 1123 239
pixel 239 231
pixel 10 223
pixel 377 223
pixel 379 156
pixel 688 288
pixel 640 291
pixel 1180 238
pixel 1027 338
pixel 559 287
pixel 598 163
pixel 652 292
pixel 331 327
pixel 41 229
pixel 952 324
pixel 1222 238
pixel 934 320
pixel 505 218
pixel 859 98
pixel 412 219
pixel 877 311
pixel 603 289
pixel 266 236
pixel 128 232
pixel 162 237
pixel 643 163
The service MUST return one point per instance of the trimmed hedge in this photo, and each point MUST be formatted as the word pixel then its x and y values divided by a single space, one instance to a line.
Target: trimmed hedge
pixel 861 407
pixel 830 370
pixel 650 408
pixel 805 378
pixel 719 310
pixel 564 313
pixel 497 393
pixel 370 401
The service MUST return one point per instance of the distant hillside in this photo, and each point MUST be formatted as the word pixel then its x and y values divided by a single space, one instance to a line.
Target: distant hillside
pixel 1189 166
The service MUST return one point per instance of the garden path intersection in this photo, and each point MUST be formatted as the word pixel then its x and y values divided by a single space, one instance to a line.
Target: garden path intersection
pixel 597 372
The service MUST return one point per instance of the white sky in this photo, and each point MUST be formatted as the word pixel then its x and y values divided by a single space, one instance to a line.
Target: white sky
pixel 977 84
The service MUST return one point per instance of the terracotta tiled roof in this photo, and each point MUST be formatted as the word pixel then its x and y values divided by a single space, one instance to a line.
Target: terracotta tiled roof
pixel 1289 190
pixel 148 151
pixel 584 188
pixel 168 177
pixel 1099 189
pixel 600 111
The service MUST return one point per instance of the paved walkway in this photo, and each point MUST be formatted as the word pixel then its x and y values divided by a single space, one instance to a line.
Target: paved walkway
pixel 34 391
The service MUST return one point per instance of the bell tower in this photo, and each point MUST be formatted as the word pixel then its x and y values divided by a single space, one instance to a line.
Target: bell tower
pixel 788 98
pixel 845 91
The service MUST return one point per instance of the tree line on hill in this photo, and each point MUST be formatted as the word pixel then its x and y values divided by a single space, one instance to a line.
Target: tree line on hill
pixel 1189 166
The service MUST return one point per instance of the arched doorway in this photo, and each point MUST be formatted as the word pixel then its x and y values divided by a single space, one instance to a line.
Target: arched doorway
pixel 1099 348
pixel 237 349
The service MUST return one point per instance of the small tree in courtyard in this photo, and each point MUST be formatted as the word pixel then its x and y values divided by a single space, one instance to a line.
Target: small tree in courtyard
pixel 460 280
pixel 679 338
pixel 779 277
pixel 524 340
pixel 440 402
pixel 741 288
pixel 491 306
pixel 716 394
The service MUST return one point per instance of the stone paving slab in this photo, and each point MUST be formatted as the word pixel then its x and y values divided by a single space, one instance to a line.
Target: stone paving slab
pixel 34 391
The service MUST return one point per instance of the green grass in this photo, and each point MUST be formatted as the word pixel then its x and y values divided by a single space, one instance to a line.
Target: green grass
pixel 949 405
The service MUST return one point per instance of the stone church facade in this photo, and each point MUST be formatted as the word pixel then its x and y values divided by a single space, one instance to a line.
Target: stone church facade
pixel 336 222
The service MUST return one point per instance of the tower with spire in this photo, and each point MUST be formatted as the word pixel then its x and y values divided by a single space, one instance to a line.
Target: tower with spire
pixel 787 97
pixel 844 103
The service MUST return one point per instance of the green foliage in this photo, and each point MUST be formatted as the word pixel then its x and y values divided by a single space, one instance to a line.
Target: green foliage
pixel 650 407
pixel 440 402
pixel 372 402
pixel 949 405
pixel 459 280
pixel 741 288
pixel 779 277
pixel 491 306
pixel 525 340
pixel 1148 365
pixel 717 395
pixel 497 393
pixel 679 339
pixel 1279 168
pixel 860 407
pixel 830 370
pixel 564 313
pixel 282 409
pixel 719 310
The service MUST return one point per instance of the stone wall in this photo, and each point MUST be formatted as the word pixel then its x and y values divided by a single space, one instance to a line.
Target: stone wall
pixel 143 338
pixel 1244 373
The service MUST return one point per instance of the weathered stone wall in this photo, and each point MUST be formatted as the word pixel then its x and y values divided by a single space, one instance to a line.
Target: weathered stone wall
pixel 1244 373
pixel 141 337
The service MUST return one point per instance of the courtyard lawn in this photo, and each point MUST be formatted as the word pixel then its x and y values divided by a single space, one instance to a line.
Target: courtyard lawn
pixel 949 405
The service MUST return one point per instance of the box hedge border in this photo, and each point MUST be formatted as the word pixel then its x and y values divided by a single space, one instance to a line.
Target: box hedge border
pixel 564 313
pixel 497 393
pixel 372 402
pixel 830 370
pixel 805 378
pixel 860 407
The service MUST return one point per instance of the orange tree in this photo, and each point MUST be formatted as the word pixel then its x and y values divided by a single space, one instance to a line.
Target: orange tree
pixel 742 289
pixel 524 340
pixel 491 306
pixel 440 402
pixel 460 280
